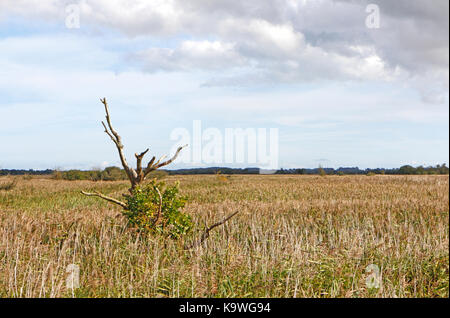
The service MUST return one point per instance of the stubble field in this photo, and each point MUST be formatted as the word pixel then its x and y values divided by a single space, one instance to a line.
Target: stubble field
pixel 295 236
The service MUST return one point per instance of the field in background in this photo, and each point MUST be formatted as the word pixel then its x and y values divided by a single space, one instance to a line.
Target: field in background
pixel 296 236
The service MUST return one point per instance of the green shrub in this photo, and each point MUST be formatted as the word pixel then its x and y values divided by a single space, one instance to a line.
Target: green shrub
pixel 113 174
pixel 322 172
pixel 143 210
pixel 158 174
pixel 57 175
pixel 73 175
pixel 109 174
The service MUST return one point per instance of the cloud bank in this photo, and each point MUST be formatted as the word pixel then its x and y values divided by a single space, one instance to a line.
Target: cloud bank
pixel 311 67
pixel 249 42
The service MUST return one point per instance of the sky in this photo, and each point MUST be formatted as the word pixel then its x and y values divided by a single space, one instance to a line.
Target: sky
pixel 345 83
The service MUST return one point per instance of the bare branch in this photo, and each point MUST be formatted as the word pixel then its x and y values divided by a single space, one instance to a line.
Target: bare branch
pixel 165 163
pixel 140 174
pixel 205 234
pixel 153 166
pixel 108 120
pixel 141 155
pixel 159 160
pixel 109 134
pixel 131 173
pixel 149 167
pixel 104 197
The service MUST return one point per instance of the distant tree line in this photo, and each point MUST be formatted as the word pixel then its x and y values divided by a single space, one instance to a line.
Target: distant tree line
pixel 214 170
pixel 115 173
pixel 403 170
pixel 15 172
pixel 107 174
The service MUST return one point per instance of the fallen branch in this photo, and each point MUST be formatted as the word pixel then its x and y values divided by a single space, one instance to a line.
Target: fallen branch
pixel 205 234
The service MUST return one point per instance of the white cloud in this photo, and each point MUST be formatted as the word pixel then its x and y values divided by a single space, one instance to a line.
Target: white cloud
pixel 258 37
pixel 414 34
pixel 281 41
pixel 204 55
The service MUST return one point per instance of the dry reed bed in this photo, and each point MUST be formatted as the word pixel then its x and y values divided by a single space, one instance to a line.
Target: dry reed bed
pixel 296 236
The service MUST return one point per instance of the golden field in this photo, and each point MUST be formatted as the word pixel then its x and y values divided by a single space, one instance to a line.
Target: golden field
pixel 295 236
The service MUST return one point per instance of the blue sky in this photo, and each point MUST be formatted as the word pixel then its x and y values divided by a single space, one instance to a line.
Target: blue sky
pixel 339 93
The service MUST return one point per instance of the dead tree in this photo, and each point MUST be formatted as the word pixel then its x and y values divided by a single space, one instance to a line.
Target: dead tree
pixel 138 175
pixel 135 176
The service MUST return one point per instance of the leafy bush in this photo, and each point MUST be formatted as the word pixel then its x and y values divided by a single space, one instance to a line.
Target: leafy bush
pixel 112 174
pixel 158 174
pixel 155 208
pixel 221 177
pixel 322 172
pixel 73 175
pixel 108 174
pixel 57 175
